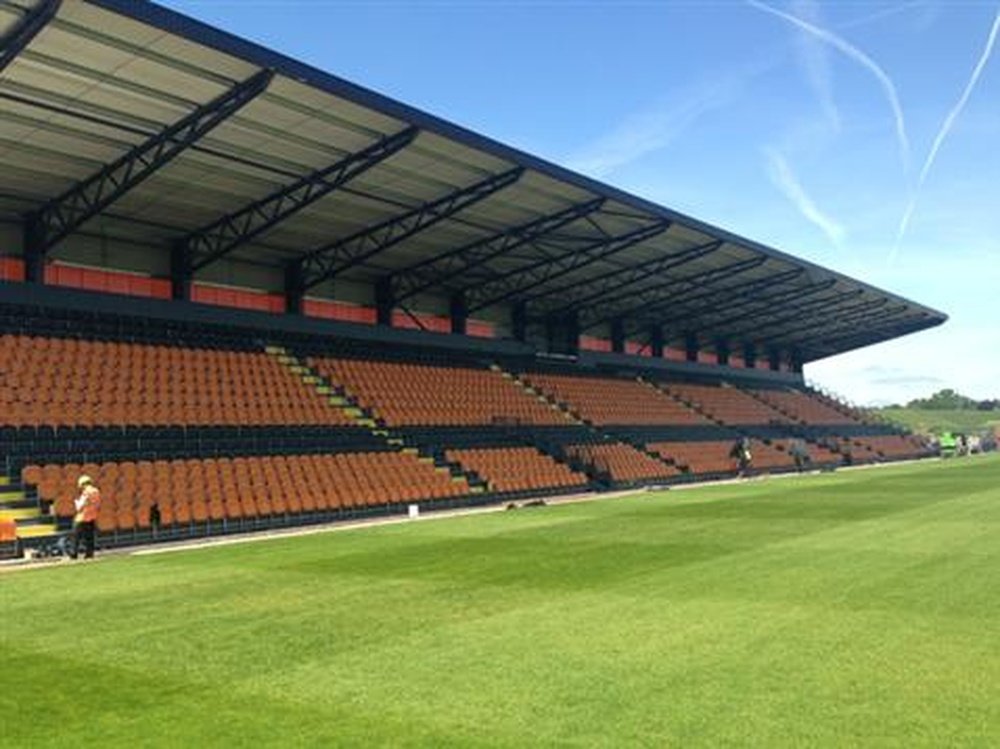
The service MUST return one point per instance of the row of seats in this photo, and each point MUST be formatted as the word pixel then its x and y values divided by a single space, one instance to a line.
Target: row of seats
pixel 69 382
pixel 818 454
pixel 98 326
pixel 200 490
pixel 714 456
pixel 727 404
pixel 697 457
pixel 803 407
pixel 605 401
pixel 765 456
pixel 420 394
pixel 510 469
pixel 621 462
pixel 895 446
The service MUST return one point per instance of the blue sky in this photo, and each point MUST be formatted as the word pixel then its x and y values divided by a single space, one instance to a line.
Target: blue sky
pixel 815 127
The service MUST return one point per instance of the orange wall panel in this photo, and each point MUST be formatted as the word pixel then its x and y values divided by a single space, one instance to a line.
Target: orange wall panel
pixel 221 296
pixel 435 323
pixel 11 269
pixel 637 349
pixel 333 310
pixel 480 329
pixel 106 281
pixel 593 343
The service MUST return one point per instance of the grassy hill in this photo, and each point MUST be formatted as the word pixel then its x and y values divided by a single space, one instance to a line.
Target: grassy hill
pixel 933 421
pixel 852 609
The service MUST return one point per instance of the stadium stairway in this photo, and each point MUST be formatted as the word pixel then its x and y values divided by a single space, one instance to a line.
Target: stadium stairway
pixel 686 403
pixel 555 451
pixel 797 420
pixel 533 392
pixel 338 397
pixel 21 516
pixel 598 435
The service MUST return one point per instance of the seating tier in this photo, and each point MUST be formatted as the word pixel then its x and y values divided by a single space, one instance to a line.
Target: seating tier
pixel 420 395
pixel 510 469
pixel 605 400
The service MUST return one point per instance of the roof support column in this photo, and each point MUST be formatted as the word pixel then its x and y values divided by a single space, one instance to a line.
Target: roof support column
pixel 722 352
pixel 656 341
pixel 563 334
pixel 691 347
pixel 519 321
pixel 384 301
pixel 618 336
pixel 795 361
pixel 34 252
pixel 295 289
pixel 749 355
pixel 774 358
pixel 459 313
pixel 181 273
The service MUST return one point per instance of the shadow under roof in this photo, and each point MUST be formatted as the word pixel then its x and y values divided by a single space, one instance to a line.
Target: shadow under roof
pixel 441 210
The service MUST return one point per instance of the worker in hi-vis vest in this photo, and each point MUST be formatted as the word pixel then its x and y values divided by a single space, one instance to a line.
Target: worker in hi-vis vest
pixel 88 504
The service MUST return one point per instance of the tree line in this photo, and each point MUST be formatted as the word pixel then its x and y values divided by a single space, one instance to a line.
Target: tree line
pixel 949 400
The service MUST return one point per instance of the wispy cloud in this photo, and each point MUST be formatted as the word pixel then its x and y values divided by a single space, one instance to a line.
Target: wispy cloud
pixel 645 132
pixel 781 175
pixel 815 62
pixel 946 126
pixel 655 128
pixel 848 49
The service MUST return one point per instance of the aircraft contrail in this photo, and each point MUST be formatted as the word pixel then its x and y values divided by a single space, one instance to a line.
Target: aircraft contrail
pixel 860 57
pixel 946 126
pixel 781 175
pixel 957 109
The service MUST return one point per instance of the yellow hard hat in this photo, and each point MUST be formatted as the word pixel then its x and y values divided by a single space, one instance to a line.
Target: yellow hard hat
pixel 83 481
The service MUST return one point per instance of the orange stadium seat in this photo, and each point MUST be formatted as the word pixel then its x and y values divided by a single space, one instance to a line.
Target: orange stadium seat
pixel 804 408
pixel 420 394
pixel 198 490
pixel 726 404
pixel 510 469
pixel 605 400
pixel 68 382
pixel 622 462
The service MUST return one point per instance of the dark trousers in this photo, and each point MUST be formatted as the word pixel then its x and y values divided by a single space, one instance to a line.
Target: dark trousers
pixel 83 536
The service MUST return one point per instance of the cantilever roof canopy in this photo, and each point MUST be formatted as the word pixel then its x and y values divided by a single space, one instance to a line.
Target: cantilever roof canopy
pixel 136 123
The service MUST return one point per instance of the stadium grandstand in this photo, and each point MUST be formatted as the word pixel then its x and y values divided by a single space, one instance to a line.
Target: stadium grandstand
pixel 242 293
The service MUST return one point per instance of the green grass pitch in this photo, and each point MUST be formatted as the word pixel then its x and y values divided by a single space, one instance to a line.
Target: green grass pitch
pixel 855 609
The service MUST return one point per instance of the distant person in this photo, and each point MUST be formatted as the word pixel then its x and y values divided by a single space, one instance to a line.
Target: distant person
pixel 740 453
pixel 88 504
pixel 948 444
pixel 799 452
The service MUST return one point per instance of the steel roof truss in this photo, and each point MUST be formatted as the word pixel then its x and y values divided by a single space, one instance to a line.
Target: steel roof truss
pixel 85 200
pixel 741 289
pixel 777 298
pixel 745 290
pixel 632 275
pixel 231 232
pixel 333 259
pixel 653 295
pixel 438 270
pixel 906 325
pixel 520 280
pixel 846 316
pixel 799 310
pixel 872 322
pixel 19 37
